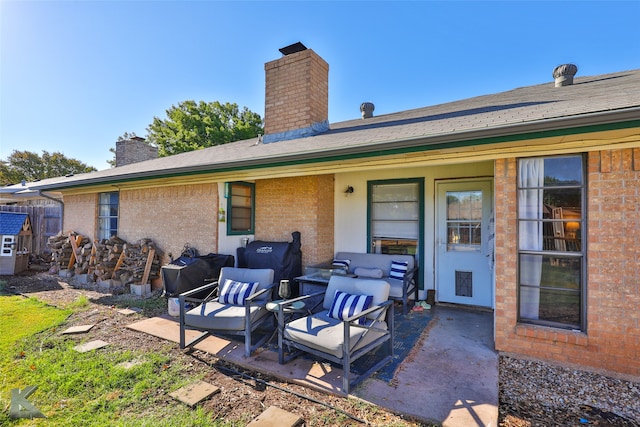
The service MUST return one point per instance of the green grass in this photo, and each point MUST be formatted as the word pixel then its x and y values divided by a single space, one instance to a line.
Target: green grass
pixel 85 389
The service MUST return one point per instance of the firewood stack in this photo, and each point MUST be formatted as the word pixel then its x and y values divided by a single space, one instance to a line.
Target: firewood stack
pixel 62 251
pixel 114 258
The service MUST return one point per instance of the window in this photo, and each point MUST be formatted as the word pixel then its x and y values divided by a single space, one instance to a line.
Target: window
pixel 395 216
pixel 108 214
pixel 240 208
pixel 551 258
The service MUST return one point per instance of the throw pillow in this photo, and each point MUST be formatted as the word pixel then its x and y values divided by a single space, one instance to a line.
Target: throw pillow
pixel 346 305
pixel 369 273
pixel 398 269
pixel 341 263
pixel 236 293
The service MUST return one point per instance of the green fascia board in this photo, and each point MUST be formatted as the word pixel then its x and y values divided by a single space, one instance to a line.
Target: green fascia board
pixel 413 147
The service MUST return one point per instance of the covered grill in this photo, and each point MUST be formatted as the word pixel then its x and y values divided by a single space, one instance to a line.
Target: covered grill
pixel 189 272
pixel 285 258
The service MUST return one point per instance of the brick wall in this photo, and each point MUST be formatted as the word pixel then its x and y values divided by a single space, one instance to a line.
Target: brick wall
pixel 133 151
pixel 296 92
pixel 80 214
pixel 171 217
pixel 612 339
pixel 303 204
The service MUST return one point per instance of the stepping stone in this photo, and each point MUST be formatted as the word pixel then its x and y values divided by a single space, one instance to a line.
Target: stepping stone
pixel 195 393
pixel 129 311
pixel 276 417
pixel 91 345
pixel 81 329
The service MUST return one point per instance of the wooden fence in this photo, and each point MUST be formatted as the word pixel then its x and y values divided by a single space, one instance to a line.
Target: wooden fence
pixel 46 221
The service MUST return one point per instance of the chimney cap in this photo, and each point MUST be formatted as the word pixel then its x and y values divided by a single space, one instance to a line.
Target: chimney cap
pixel 292 48
pixel 366 108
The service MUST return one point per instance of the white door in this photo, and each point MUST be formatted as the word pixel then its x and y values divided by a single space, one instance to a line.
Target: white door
pixel 463 270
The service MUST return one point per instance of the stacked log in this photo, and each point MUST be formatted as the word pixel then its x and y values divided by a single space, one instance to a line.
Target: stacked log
pixel 114 258
pixel 63 254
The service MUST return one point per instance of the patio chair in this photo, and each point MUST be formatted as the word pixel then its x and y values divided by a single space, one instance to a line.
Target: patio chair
pixel 347 329
pixel 235 306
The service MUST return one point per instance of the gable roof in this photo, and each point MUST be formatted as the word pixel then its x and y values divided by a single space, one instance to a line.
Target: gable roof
pixel 11 223
pixel 611 100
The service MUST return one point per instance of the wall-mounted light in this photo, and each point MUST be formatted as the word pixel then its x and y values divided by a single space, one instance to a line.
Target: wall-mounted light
pixel 349 190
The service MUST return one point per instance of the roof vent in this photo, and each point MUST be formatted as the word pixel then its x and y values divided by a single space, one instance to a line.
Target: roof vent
pixel 563 74
pixel 366 108
pixel 292 48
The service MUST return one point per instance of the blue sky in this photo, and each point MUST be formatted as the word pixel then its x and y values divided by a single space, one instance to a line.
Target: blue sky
pixel 75 75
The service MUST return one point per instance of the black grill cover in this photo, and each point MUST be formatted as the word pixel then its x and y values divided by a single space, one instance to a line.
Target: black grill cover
pixel 187 273
pixel 285 258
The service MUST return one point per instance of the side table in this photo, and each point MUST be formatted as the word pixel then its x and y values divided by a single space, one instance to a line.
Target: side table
pixel 288 312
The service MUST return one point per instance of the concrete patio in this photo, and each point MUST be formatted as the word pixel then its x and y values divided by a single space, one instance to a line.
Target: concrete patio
pixel 450 377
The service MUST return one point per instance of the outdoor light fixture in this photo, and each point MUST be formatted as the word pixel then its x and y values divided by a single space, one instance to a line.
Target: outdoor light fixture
pixel 349 190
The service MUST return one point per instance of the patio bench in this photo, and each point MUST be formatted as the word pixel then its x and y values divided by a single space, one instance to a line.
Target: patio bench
pixel 397 270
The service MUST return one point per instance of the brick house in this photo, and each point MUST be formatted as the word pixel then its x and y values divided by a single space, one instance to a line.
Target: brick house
pixel 525 202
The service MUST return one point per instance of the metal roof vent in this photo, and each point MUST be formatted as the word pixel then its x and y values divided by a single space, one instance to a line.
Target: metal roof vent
pixel 366 108
pixel 563 74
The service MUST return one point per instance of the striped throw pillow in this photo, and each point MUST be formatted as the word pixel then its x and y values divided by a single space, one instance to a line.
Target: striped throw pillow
pixel 398 269
pixel 341 263
pixel 346 305
pixel 236 293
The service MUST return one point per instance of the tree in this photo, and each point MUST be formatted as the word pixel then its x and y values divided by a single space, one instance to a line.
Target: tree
pixel 192 126
pixel 28 166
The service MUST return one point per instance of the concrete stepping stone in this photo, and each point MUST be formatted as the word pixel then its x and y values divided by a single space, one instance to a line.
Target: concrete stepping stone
pixel 276 417
pixel 195 393
pixel 130 311
pixel 80 329
pixel 91 345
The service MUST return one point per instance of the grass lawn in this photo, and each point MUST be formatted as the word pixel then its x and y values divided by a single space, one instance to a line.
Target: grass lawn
pixel 83 389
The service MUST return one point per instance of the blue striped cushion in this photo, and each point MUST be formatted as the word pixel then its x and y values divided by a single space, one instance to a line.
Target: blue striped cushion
pixel 235 293
pixel 341 263
pixel 346 305
pixel 398 269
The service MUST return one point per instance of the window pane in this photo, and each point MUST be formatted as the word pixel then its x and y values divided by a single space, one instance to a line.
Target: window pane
pixel 550 288
pixel 240 208
pixel 563 171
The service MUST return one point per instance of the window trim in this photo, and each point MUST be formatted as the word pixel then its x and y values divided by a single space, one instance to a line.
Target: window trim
pixel 582 254
pixel 229 218
pixel 99 217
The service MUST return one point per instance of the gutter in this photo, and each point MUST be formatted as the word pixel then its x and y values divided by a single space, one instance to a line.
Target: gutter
pixel 584 123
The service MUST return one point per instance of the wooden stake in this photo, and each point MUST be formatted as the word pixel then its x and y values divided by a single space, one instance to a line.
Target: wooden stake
pixel 74 246
pixel 147 267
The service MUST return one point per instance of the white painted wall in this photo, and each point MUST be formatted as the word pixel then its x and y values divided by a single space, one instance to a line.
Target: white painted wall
pixel 228 244
pixel 351 210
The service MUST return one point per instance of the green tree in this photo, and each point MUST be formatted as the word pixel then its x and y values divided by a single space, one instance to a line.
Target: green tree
pixel 192 126
pixel 29 166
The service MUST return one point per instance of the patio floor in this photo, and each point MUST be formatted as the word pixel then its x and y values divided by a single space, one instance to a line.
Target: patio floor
pixel 449 377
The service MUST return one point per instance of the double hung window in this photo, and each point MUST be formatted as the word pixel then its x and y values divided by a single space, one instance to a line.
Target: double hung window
pixel 240 207
pixel 108 214
pixel 551 256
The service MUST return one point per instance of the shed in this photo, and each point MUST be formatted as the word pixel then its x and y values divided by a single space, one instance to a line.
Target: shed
pixel 16 234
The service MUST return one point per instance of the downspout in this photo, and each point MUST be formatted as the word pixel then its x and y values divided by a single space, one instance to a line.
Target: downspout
pixel 41 194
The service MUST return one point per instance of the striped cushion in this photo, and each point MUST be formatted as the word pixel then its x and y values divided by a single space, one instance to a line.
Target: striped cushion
pixel 341 263
pixel 398 269
pixel 346 305
pixel 235 293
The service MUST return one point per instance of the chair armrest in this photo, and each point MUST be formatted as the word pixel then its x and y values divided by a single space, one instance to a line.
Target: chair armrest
pixel 300 298
pixel 382 307
pixel 186 296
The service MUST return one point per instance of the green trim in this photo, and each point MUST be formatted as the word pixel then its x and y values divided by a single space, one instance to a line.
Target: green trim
pixel 418 147
pixel 252 187
pixel 419 256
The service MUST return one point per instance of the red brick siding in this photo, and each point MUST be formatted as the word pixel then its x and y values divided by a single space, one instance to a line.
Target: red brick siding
pixel 303 204
pixel 171 217
pixel 612 339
